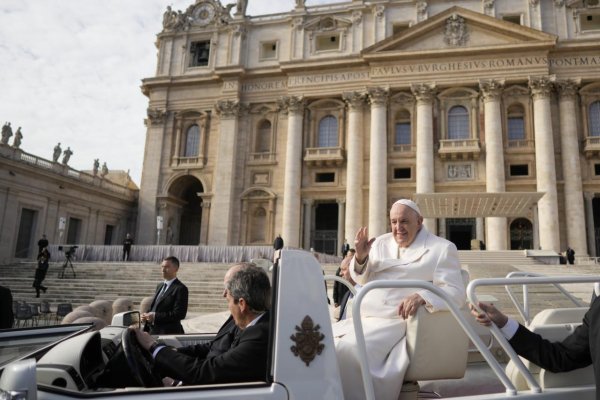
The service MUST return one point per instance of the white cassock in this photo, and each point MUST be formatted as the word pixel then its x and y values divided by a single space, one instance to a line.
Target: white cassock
pixel 428 258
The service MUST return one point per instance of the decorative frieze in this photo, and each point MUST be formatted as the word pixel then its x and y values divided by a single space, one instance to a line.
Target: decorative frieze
pixel 460 172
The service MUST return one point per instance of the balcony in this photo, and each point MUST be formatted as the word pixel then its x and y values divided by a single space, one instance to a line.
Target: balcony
pixel 196 162
pixel 459 149
pixel 324 156
pixel 591 146
pixel 262 159
pixel 520 146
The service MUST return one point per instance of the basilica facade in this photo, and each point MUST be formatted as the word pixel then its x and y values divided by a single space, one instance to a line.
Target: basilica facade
pixel 311 123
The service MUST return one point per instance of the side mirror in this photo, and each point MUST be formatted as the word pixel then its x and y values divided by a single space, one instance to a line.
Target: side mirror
pixel 18 380
pixel 127 318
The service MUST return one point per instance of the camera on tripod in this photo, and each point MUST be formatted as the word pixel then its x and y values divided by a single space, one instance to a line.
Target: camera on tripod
pixel 69 250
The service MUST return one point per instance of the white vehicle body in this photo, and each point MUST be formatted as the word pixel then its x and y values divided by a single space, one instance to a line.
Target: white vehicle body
pixel 303 362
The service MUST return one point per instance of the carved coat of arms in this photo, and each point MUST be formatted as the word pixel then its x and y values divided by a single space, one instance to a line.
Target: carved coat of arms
pixel 456 32
pixel 308 340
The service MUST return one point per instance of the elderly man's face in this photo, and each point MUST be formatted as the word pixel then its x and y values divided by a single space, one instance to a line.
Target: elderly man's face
pixel 405 223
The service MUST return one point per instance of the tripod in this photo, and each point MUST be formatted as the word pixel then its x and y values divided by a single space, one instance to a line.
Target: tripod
pixel 65 265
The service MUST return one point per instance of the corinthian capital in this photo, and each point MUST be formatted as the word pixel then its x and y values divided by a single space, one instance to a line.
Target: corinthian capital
pixel 567 87
pixel 156 116
pixel 227 108
pixel 292 104
pixel 423 92
pixel 541 86
pixel 378 96
pixel 354 100
pixel 491 89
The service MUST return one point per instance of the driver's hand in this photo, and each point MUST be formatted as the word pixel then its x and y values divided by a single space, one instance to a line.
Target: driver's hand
pixel 144 338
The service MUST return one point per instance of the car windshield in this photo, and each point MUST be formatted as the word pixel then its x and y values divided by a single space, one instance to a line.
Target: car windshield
pixel 16 344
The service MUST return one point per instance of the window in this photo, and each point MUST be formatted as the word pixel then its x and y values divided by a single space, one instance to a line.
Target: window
pixel 268 50
pixel 516 123
pixel 515 19
pixel 199 52
pixel 328 42
pixel 597 169
pixel 192 141
pixel 403 131
pixel 594 118
pixel 328 132
pixel 108 234
pixel 263 137
pixel 519 170
pixel 402 173
pixel 325 177
pixel 458 123
pixel 589 22
pixel 73 230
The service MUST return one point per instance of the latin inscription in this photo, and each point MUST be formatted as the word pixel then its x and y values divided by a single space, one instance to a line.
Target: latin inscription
pixel 323 79
pixel 475 65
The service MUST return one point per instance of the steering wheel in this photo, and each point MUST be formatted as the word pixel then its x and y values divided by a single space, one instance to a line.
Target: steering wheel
pixel 140 363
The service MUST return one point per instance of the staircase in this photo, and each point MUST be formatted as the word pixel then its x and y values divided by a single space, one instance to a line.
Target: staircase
pixel 109 281
pixel 510 257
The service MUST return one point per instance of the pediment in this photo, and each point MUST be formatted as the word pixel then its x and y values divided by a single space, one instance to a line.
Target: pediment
pixel 459 30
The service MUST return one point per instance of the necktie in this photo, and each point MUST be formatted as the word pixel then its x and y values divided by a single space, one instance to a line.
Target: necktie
pixel 158 296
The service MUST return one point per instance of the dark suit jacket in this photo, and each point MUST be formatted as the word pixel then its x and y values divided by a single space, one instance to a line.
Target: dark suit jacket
pixel 578 350
pixel 219 345
pixel 344 303
pixel 339 289
pixel 170 309
pixel 245 361
pixel 6 312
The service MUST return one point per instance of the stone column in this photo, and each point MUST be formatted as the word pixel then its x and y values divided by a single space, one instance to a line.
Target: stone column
pixel 378 210
pixel 354 164
pixel 149 187
pixel 479 230
pixel 589 216
pixel 569 144
pixel 340 228
pixel 308 219
pixel 545 164
pixel 424 94
pixel 204 223
pixel 220 229
pixel 293 171
pixel 491 90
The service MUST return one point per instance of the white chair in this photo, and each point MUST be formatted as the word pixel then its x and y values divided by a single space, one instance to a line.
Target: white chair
pixel 553 325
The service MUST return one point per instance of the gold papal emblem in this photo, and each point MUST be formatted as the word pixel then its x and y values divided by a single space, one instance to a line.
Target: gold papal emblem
pixel 308 340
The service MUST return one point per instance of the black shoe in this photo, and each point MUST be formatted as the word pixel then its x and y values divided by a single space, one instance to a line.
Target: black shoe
pixel 44 289
pixel 37 294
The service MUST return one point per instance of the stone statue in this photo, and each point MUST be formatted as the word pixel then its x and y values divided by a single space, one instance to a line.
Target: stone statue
pixel 67 155
pixel 57 151
pixel 18 138
pixel 6 133
pixel 300 3
pixel 104 170
pixel 96 166
pixel 240 7
pixel 169 18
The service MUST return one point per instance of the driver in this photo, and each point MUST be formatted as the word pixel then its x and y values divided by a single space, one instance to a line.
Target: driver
pixel 244 359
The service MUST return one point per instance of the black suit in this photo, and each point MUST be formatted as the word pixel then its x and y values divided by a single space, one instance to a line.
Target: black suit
pixel 219 345
pixel 7 317
pixel 245 361
pixel 578 350
pixel 169 309
pixel 344 302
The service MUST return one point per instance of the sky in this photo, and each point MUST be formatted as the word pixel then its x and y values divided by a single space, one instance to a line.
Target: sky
pixel 71 70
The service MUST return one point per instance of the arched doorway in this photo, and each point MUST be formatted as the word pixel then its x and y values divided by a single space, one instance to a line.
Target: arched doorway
pixel 521 234
pixel 189 214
